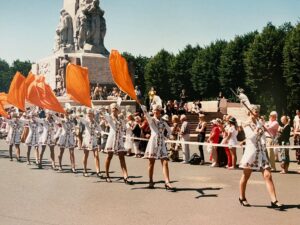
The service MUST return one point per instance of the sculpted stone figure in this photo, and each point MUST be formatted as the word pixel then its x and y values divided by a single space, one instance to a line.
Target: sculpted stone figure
pixel 81 30
pixel 89 29
pixel 91 26
pixel 64 32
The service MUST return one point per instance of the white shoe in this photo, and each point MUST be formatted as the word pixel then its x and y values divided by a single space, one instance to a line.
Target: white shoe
pixel 214 165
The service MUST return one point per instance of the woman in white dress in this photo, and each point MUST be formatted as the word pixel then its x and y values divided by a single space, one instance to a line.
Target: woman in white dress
pixel 255 158
pixel 89 141
pixel 15 128
pixel 66 139
pixel 128 140
pixel 157 148
pixel 47 137
pixel 231 139
pixel 115 143
pixel 32 139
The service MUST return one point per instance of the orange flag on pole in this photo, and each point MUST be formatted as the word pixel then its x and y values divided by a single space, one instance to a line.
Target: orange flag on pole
pixel 16 94
pixel 120 74
pixel 29 79
pixel 40 94
pixel 3 99
pixel 2 111
pixel 78 84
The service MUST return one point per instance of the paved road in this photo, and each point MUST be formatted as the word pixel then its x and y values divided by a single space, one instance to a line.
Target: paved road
pixel 31 196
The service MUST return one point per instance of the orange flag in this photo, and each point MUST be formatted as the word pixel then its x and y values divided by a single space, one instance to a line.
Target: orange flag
pixel 3 99
pixel 2 111
pixel 78 84
pixel 40 94
pixel 16 94
pixel 120 73
pixel 29 79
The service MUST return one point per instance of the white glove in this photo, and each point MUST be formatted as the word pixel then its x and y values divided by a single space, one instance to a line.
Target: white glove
pixel 259 125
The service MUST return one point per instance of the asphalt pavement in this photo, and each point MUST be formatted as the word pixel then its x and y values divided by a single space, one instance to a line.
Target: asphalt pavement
pixel 204 195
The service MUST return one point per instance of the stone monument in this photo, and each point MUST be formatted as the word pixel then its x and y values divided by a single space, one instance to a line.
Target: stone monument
pixel 79 39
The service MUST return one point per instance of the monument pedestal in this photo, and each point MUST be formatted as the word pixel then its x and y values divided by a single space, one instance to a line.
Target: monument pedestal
pixel 98 67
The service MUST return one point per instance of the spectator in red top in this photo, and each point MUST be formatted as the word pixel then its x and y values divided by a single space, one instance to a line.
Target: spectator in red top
pixel 214 138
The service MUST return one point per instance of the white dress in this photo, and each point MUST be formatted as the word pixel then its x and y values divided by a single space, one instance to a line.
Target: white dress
pixel 157 148
pixel 128 140
pixel 67 136
pixel 33 134
pixel 115 141
pixel 255 152
pixel 90 134
pixel 15 129
pixel 47 136
pixel 233 137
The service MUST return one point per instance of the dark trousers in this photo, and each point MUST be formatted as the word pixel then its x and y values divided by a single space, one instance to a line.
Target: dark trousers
pixel 201 138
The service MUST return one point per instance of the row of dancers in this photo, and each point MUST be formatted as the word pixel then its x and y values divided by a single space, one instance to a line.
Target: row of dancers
pixel 60 130
pixel 254 157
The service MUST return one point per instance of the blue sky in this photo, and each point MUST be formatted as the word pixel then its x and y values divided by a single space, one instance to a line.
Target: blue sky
pixel 141 26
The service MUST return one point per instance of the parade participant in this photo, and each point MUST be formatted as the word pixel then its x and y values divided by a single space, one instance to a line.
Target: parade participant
pixel 201 129
pixel 156 148
pixel 115 143
pixel 47 137
pixel 89 142
pixel 128 133
pixel 32 139
pixel 79 129
pixel 185 136
pixel 284 139
pixel 255 158
pixel 105 129
pixel 66 138
pixel 15 128
pixel 272 130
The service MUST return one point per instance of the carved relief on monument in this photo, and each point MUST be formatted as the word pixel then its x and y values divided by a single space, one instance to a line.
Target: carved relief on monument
pixel 64 33
pixel 88 32
pixel 44 69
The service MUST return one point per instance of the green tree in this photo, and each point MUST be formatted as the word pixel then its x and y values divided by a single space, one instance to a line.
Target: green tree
pixel 23 67
pixel 140 65
pixel 182 71
pixel 264 71
pixel 130 62
pixel 205 74
pixel 4 74
pixel 137 69
pixel 292 68
pixel 158 73
pixel 232 69
pixel 7 72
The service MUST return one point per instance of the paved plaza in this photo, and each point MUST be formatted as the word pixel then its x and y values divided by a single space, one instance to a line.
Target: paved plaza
pixel 31 196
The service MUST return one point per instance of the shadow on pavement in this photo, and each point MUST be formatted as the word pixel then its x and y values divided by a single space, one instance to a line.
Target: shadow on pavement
pixel 283 209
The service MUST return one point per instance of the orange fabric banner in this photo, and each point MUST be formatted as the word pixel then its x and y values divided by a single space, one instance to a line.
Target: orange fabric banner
pixel 120 73
pixel 29 79
pixel 16 94
pixel 3 99
pixel 78 84
pixel 40 94
pixel 2 111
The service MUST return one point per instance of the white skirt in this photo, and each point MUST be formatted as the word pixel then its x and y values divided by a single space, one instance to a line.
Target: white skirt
pixel 254 158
